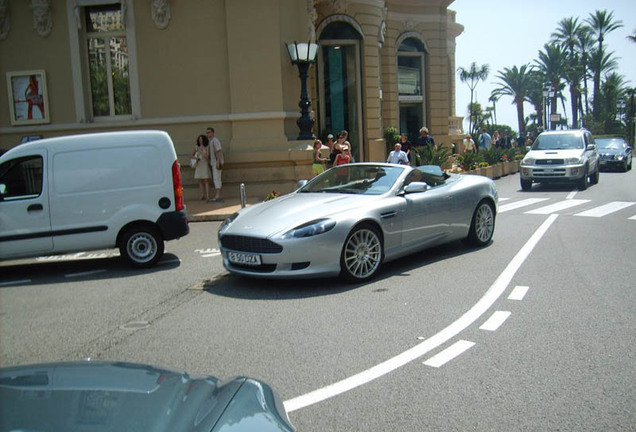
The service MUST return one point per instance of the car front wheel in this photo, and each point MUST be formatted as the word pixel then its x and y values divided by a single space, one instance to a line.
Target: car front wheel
pixel 141 246
pixel 526 185
pixel 584 182
pixel 362 253
pixel 482 226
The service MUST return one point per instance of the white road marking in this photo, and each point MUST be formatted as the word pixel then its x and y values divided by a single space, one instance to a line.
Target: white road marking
pixel 519 204
pixel 495 320
pixel 503 199
pixel 488 299
pixel 86 273
pixel 633 217
pixel 518 293
pixel 606 209
pixel 16 282
pixel 209 252
pixel 571 195
pixel 449 353
pixel 563 205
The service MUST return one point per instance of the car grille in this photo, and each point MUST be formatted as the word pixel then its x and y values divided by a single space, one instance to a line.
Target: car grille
pixel 549 162
pixel 264 268
pixel 608 157
pixel 250 244
pixel 557 172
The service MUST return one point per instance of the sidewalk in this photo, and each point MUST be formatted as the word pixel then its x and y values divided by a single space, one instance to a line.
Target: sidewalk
pixel 202 211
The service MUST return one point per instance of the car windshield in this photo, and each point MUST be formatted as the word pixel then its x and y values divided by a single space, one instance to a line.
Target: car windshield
pixel 558 142
pixel 355 179
pixel 609 143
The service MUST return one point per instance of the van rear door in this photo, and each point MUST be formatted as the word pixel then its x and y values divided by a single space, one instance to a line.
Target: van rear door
pixel 25 221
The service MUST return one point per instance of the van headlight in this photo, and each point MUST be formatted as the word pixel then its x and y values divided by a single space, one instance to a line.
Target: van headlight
pixel 310 229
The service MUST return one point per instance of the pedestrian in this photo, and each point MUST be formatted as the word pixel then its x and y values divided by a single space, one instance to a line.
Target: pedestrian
pixel 332 150
pixel 397 156
pixel 319 162
pixel 407 147
pixel 425 139
pixel 484 140
pixel 216 161
pixel 495 141
pixel 202 169
pixel 344 157
pixel 469 144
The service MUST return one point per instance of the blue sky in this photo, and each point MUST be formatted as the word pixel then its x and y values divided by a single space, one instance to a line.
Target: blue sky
pixel 506 33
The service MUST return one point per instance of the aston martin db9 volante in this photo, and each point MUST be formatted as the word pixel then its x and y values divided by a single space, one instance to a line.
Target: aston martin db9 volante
pixel 350 219
pixel 120 396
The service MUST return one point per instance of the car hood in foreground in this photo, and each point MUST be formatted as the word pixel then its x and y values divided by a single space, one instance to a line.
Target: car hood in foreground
pixel 110 396
pixel 289 211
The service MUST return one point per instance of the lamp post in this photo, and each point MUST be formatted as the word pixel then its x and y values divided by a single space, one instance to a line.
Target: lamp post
pixel 303 55
pixel 548 93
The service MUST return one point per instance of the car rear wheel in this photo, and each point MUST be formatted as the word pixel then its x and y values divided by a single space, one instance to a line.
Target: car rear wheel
pixel 482 226
pixel 362 253
pixel 141 246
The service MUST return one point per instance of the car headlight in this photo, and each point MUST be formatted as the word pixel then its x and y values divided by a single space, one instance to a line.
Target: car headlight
pixel 620 157
pixel 226 223
pixel 573 160
pixel 310 229
pixel 527 161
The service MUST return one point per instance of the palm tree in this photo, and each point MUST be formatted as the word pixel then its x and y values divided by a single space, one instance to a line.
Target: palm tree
pixel 613 89
pixel 601 23
pixel 585 45
pixel 600 63
pixel 472 77
pixel 535 95
pixel 553 63
pixel 517 82
pixel 632 37
pixel 494 99
pixel 568 36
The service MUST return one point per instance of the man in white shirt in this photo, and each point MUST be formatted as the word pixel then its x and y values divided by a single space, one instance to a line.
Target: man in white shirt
pixel 397 156
pixel 216 160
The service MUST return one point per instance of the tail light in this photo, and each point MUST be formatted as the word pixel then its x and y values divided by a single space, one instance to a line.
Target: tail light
pixel 178 187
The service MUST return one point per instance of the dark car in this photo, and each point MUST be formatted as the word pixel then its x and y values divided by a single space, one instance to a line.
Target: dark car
pixel 118 396
pixel 614 153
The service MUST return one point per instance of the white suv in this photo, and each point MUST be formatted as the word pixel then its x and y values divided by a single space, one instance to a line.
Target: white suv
pixel 561 156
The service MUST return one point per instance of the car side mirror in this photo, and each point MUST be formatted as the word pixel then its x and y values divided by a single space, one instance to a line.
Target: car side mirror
pixel 591 147
pixel 415 187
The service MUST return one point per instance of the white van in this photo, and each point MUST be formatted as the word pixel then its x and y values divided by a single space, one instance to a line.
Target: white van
pixel 88 192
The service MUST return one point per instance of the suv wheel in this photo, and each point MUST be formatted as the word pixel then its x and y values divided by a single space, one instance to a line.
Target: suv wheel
pixel 595 176
pixel 526 185
pixel 584 181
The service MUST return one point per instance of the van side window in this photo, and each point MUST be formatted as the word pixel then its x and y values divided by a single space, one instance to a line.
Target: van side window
pixel 21 178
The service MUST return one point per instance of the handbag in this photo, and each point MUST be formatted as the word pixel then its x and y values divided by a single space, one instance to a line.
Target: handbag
pixel 193 162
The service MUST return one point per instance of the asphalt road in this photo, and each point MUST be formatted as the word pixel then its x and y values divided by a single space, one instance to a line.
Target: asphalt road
pixel 533 332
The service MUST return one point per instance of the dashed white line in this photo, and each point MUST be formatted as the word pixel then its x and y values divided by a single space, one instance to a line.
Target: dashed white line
pixel 606 209
pixel 449 353
pixel 518 293
pixel 523 203
pixel 472 315
pixel 563 205
pixel 495 321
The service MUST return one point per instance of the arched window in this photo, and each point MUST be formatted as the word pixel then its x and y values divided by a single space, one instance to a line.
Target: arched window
pixel 411 86
pixel 339 83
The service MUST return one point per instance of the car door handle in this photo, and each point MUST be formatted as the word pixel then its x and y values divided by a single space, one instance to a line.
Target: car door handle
pixel 35 207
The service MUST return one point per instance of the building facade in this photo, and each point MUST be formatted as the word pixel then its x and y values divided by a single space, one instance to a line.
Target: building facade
pixel 78 66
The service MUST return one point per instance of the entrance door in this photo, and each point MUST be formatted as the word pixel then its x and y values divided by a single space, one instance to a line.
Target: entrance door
pixel 340 91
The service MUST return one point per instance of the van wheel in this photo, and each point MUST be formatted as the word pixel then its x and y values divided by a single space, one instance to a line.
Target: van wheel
pixel 594 178
pixel 526 185
pixel 584 182
pixel 141 246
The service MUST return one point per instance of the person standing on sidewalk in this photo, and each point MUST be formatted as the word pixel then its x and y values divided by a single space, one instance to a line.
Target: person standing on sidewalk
pixel 216 161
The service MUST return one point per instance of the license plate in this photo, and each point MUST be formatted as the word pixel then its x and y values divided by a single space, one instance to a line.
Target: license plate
pixel 244 258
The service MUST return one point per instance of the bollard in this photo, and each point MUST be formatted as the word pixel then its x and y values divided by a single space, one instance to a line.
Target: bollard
pixel 242 187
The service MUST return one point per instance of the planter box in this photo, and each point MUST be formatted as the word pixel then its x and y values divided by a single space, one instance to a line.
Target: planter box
pixel 487 172
pixel 505 168
pixel 497 171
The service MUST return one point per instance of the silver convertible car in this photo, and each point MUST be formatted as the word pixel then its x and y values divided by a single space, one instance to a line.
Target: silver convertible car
pixel 350 219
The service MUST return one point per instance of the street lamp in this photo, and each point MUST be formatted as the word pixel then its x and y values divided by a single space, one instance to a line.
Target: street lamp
pixel 548 94
pixel 303 55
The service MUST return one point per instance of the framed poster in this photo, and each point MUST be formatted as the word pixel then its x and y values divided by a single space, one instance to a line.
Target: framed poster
pixel 28 97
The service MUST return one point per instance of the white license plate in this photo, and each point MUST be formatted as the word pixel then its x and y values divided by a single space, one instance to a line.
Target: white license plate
pixel 244 258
